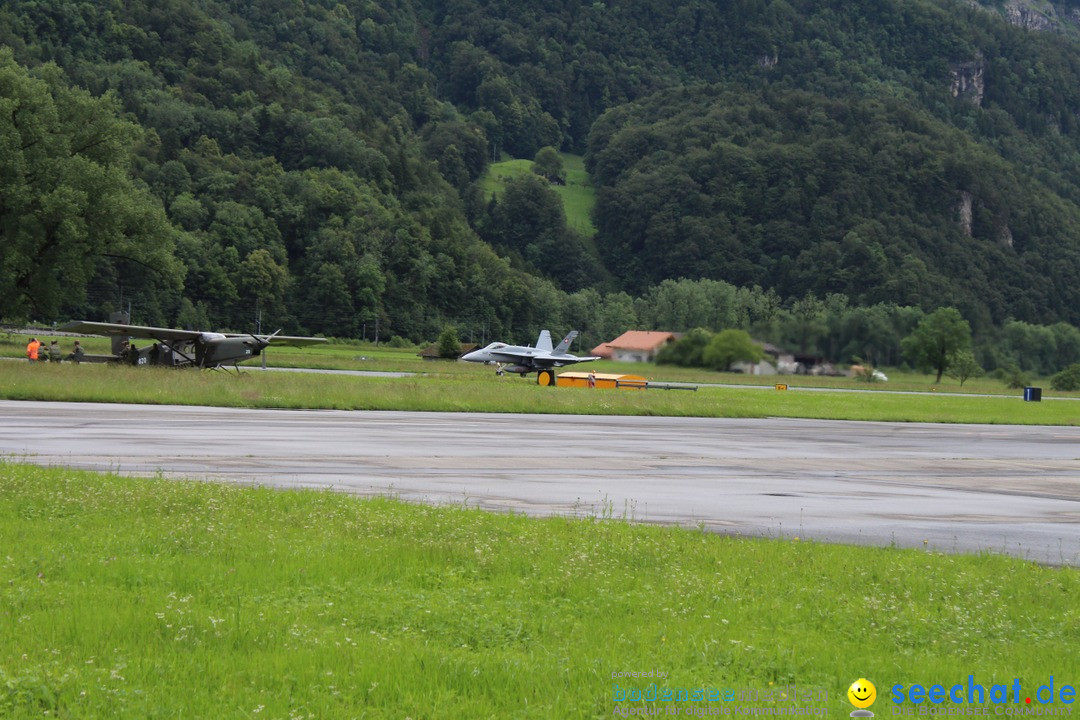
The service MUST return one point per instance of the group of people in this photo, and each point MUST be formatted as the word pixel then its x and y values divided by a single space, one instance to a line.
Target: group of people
pixel 37 352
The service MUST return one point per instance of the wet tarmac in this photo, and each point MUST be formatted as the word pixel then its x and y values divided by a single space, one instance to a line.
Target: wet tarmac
pixel 953 488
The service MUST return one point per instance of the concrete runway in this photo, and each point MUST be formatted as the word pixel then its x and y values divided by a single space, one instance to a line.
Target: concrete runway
pixel 1002 489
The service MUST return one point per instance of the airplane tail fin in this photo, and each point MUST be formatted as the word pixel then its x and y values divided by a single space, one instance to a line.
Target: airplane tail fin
pixel 564 346
pixel 544 341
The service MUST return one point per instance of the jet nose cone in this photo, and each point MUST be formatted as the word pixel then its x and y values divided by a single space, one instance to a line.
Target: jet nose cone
pixel 473 356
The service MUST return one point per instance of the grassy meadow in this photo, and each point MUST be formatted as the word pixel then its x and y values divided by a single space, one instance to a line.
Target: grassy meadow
pixel 578 195
pixel 483 392
pixel 147 598
pixel 366 356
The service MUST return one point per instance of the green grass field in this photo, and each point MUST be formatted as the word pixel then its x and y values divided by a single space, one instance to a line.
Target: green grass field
pixel 354 355
pixel 148 598
pixel 578 195
pixel 483 392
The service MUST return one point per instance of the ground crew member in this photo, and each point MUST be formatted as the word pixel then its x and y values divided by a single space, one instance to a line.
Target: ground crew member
pixel 32 348
pixel 77 354
pixel 592 378
pixel 55 354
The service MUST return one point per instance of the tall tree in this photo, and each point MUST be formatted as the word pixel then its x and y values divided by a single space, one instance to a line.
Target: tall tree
pixel 729 346
pixel 937 339
pixel 67 204
pixel 806 322
pixel 549 165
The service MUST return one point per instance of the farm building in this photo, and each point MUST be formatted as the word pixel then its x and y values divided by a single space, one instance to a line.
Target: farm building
pixel 634 346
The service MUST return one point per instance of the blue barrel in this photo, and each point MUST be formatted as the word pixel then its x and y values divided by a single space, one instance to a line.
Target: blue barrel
pixel 1032 394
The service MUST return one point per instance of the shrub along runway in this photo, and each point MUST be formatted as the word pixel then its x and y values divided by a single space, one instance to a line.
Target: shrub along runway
pixel 1007 489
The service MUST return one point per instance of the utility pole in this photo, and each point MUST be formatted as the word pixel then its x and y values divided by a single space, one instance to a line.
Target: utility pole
pixel 258 330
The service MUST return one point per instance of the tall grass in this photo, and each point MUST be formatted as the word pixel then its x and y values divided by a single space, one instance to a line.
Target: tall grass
pixel 128 598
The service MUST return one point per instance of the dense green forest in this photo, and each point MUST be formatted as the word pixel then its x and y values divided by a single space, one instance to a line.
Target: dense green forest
pixel 317 166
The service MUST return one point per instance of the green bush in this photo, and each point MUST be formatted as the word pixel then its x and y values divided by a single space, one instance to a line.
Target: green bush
pixel 1067 379
pixel 1012 376
pixel 687 351
pixel 449 344
pixel 730 346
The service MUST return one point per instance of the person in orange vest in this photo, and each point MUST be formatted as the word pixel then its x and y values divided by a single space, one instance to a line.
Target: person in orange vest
pixel 32 348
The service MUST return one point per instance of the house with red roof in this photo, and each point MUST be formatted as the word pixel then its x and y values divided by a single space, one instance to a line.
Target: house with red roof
pixel 634 346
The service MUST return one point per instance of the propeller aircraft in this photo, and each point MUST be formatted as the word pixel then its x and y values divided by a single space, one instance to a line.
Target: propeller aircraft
pixel 182 348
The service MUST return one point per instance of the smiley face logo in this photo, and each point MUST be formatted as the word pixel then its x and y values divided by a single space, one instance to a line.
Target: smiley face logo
pixel 862 693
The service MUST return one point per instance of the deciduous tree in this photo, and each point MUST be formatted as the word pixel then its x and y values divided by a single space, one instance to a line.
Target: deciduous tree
pixel 449 344
pixel 937 339
pixel 964 366
pixel 67 202
pixel 549 165
pixel 730 346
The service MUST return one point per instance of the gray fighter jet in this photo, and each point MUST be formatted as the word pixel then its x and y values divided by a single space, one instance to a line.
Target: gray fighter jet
pixel 523 360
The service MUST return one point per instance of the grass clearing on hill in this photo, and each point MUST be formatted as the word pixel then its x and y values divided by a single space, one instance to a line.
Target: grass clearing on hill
pixel 578 195
pixel 150 598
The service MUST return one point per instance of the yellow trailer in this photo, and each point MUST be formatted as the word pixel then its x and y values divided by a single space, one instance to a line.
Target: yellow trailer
pixel 602 380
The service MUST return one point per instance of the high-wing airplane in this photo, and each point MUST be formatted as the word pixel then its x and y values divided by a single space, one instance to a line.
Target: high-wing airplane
pixel 523 359
pixel 181 348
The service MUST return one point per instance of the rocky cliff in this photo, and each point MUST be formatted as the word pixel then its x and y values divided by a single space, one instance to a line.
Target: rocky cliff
pixel 1038 15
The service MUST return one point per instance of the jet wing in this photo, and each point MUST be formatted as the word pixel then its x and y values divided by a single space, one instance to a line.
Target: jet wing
pixel 560 360
pixel 579 358
pixel 507 356
pixel 137 331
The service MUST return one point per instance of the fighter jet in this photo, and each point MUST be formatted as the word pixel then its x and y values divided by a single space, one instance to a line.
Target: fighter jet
pixel 181 348
pixel 524 360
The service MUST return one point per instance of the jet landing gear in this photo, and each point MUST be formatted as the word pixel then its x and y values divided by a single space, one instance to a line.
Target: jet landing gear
pixel 546 377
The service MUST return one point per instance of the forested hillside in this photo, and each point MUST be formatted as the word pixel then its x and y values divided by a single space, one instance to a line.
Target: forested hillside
pixel 315 165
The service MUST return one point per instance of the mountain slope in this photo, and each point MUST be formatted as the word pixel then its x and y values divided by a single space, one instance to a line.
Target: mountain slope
pixel 320 160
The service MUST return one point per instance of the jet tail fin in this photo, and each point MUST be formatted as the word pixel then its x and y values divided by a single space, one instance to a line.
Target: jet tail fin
pixel 544 341
pixel 564 346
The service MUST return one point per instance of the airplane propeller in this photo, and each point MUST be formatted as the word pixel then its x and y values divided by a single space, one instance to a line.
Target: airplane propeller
pixel 265 339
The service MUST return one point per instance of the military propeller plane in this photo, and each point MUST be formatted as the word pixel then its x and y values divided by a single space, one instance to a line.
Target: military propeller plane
pixel 524 360
pixel 181 348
